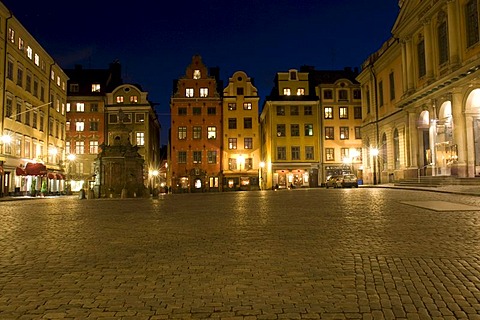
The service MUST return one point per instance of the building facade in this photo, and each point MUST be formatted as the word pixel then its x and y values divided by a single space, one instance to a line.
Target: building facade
pixel 241 160
pixel 32 116
pixel 86 127
pixel 431 126
pixel 196 130
pixel 291 127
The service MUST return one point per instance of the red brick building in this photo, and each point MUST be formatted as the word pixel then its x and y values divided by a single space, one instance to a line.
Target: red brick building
pixel 196 130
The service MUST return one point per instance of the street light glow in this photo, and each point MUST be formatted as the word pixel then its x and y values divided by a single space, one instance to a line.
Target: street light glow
pixel 71 157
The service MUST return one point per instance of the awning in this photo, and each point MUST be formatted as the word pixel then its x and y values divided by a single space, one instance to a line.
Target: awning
pixel 51 175
pixel 20 171
pixel 60 176
pixel 35 169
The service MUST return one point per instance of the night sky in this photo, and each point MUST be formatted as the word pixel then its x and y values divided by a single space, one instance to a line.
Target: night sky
pixel 155 42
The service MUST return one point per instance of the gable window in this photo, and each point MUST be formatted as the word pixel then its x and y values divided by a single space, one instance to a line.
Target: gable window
pixel 133 99
pixel 197 74
pixel 119 99
pixel 300 91
pixel 287 91
pixel 343 95
pixel 189 92
pixel 240 91
pixel 95 87
pixel 203 92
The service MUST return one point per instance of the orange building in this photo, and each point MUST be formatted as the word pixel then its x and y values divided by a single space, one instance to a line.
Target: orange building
pixel 196 130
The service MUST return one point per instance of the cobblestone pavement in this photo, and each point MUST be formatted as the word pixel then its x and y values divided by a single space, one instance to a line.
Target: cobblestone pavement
pixel 298 254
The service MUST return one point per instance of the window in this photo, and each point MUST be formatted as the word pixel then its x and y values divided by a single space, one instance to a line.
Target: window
pixel 392 85
pixel 11 35
pixel 308 110
pixel 93 125
pixel 37 60
pixel 329 154
pixel 422 69
pixel 248 163
pixel 42 121
pixel 182 133
pixel 342 95
pixel 295 153
pixel 232 106
pixel 247 106
pixel 308 129
pixel 139 117
pixel 182 157
pixel 344 153
pixel 328 113
pixel 197 111
pixel 343 113
pixel 27 115
pixel 309 155
pixel 281 153
pixel 300 91
pixel 189 92
pixel 35 119
pixel 357 112
pixel 380 93
pixel 29 52
pixel 18 112
pixel 67 125
pixel 10 70
pixel 357 94
pixel 95 87
pixel 182 111
pixel 329 133
pixel 294 110
pixel 197 156
pixel 211 133
pixel 9 109
pixel 471 20
pixel 120 99
pixel 232 164
pixel 21 44
pixel 197 74
pixel 140 138
pixel 79 126
pixel 27 148
pixel 133 99
pixel 93 147
pixel 28 82
pixel 35 87
pixel 79 147
pixel 280 110
pixel 203 92
pixel 240 91
pixel 197 132
pixel 287 91
pixel 74 87
pixel 247 123
pixel 211 111
pixel 344 133
pixel 328 94
pixel 80 107
pixel 281 130
pixel 396 149
pixel 442 42
pixel 20 77
pixel 232 123
pixel 295 130
pixel 293 75
pixel 212 157
pixel 248 143
pixel 232 143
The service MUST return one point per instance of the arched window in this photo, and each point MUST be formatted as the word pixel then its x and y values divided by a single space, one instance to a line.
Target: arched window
pixel 383 153
pixel 396 149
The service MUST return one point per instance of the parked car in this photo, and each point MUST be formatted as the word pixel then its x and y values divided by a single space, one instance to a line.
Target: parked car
pixel 349 180
pixel 342 181
pixel 333 182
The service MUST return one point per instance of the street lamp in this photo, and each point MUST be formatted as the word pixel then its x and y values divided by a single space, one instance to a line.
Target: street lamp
pixel 262 165
pixel 374 152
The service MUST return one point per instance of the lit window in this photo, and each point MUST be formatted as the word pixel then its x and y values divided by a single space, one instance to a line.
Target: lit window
pixel 203 92
pixel 247 106
pixel 93 147
pixel 197 132
pixel 308 129
pixel 343 112
pixel 212 133
pixel 79 147
pixel 139 117
pixel 330 154
pixel 11 35
pixel 79 126
pixel 21 44
pixel 133 99
pixel 37 60
pixel 248 143
pixel 119 99
pixel 58 81
pixel 232 106
pixel 232 143
pixel 300 91
pixel 197 156
pixel 68 106
pixel 196 74
pixel 140 138
pixel 80 107
pixel 344 133
pixel 182 133
pixel 212 157
pixel 96 87
pixel 287 92
pixel 328 114
pixel 52 75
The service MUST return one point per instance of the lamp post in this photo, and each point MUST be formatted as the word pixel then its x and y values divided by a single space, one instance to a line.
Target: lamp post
pixel 374 152
pixel 154 181
pixel 260 174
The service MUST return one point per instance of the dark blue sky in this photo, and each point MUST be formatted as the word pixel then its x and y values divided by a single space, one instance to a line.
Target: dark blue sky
pixel 155 41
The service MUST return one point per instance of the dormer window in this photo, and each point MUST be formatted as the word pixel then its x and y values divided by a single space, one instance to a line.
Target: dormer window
pixel 300 91
pixel 196 74
pixel 119 99
pixel 293 75
pixel 95 87
pixel 287 91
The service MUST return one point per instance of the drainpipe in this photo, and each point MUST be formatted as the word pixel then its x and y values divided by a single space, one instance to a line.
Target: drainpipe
pixel 377 138
pixel 5 74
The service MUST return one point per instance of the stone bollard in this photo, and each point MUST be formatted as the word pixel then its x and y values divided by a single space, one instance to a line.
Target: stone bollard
pixel 81 194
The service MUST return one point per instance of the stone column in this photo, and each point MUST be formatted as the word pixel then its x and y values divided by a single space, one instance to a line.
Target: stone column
pixel 427 29
pixel 409 64
pixel 404 66
pixel 459 134
pixel 453 35
pixel 412 140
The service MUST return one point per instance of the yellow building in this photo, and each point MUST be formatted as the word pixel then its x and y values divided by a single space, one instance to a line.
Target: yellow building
pixel 431 125
pixel 241 162
pixel 341 120
pixel 291 133
pixel 32 116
